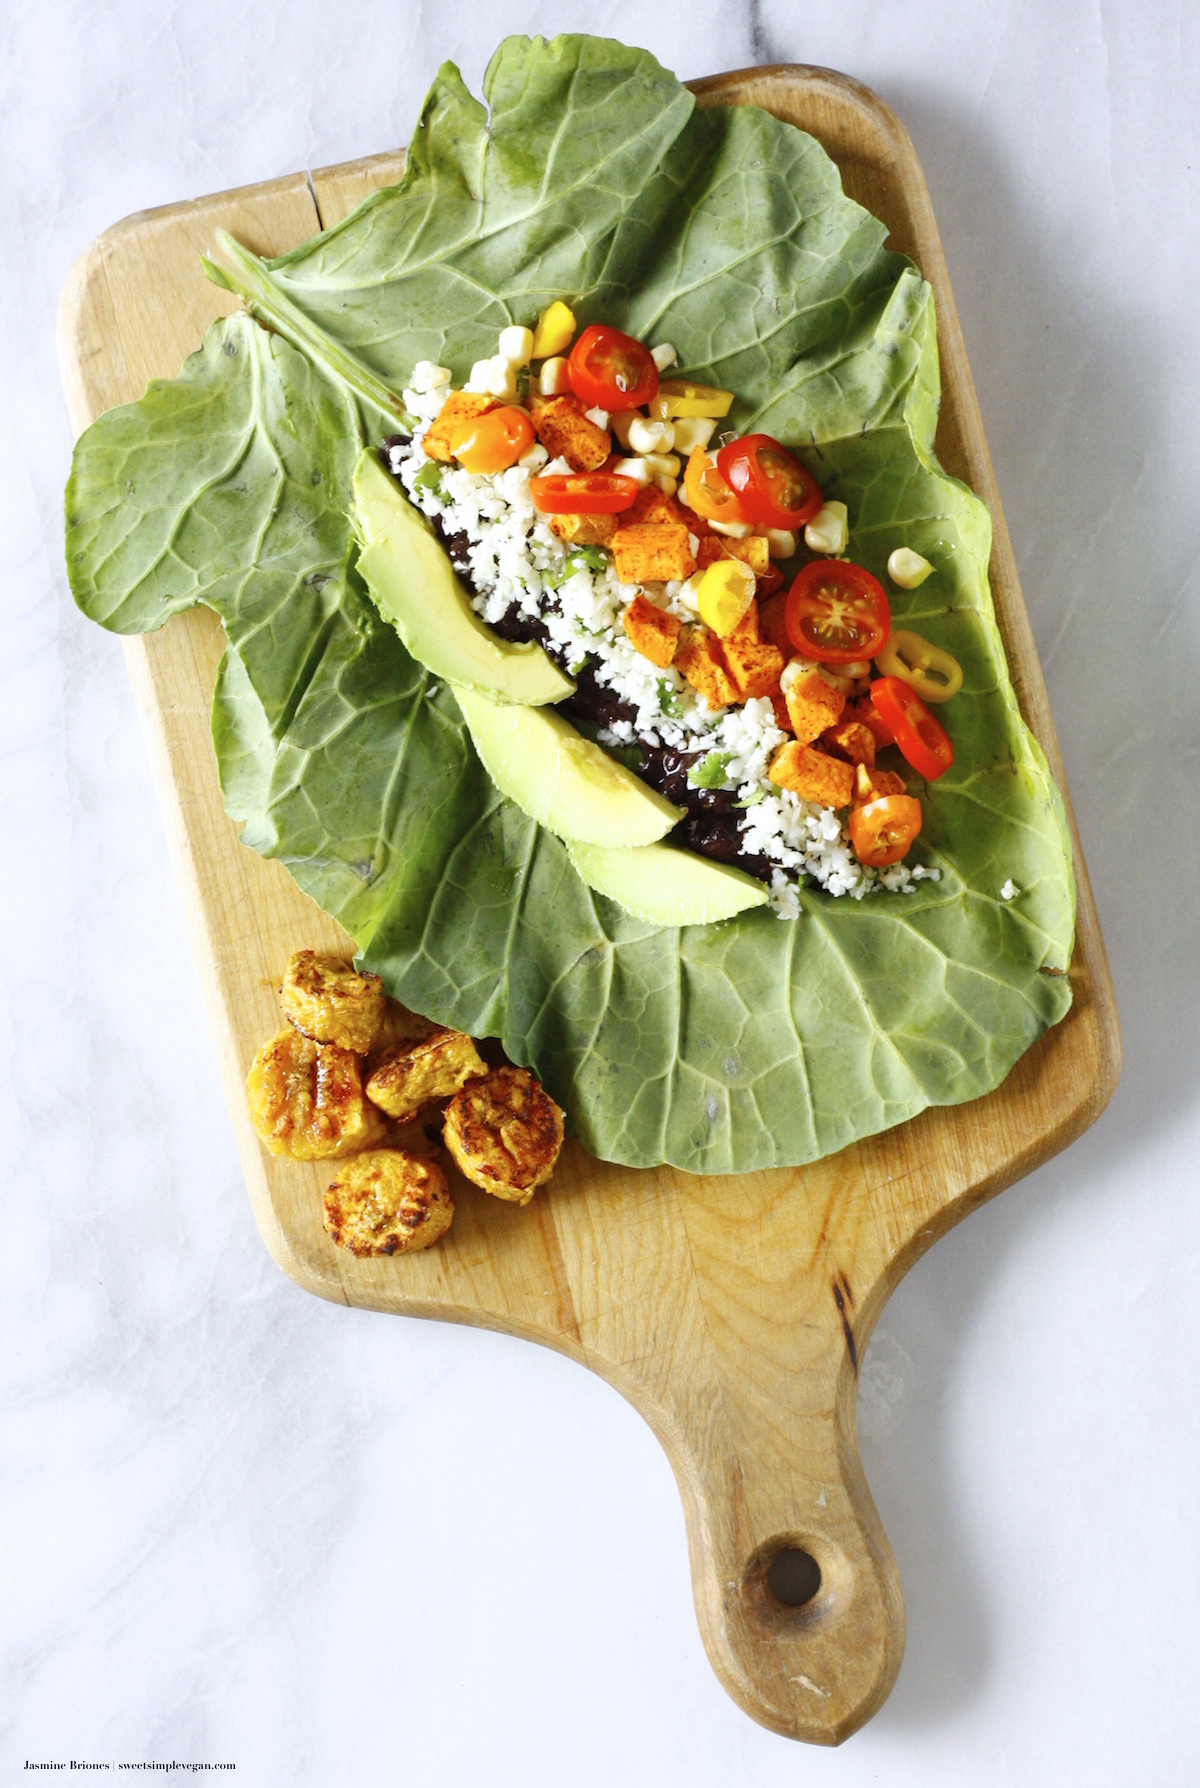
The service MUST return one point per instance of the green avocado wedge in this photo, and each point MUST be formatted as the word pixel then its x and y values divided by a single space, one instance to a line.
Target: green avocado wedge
pixel 560 779
pixel 408 572
pixel 666 886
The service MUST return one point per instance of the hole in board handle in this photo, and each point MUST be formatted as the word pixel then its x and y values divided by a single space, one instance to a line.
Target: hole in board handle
pixel 793 1577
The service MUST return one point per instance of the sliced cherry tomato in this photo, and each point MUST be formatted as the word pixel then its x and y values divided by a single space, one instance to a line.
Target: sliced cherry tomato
pixel 708 492
pixel 837 612
pixel 882 831
pixel 772 485
pixel 583 493
pixel 611 371
pixel 921 738
pixel 494 441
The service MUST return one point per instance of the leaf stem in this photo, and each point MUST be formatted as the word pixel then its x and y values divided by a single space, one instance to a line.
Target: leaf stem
pixel 251 280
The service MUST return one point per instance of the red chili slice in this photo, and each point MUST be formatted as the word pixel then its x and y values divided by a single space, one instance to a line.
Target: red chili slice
pixel 583 493
pixel 922 739
pixel 837 612
pixel 772 486
pixel 610 370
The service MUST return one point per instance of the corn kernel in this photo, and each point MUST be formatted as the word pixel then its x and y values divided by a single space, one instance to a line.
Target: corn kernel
pixel 556 326
pixel 692 432
pixel 732 530
pixel 663 463
pixel 553 379
pixel 781 543
pixel 516 344
pixel 663 356
pixel 829 531
pixel 598 416
pixel 907 568
pixel 428 377
pixel 621 423
pixel 636 469
pixel 481 377
pixel 503 377
pixel 650 437
pixel 725 593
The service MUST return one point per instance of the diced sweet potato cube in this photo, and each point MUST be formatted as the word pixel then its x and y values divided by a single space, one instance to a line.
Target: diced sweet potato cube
pixel 812 775
pixel 654 505
pixel 852 740
pixel 813 705
pixel 754 665
pixel 653 632
pixel 747 629
pixel 584 530
pixel 459 407
pixel 566 433
pixel 751 551
pixel 702 662
pixel 652 552
pixel 783 719
pixel 770 621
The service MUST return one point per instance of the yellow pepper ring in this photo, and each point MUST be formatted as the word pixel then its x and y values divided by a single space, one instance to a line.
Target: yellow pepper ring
pixel 680 397
pixel 934 674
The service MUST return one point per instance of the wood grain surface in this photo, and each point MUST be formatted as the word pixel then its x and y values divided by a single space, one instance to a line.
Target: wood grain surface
pixel 732 1312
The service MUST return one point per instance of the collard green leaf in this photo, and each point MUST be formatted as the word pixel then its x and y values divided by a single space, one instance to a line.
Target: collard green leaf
pixel 591 177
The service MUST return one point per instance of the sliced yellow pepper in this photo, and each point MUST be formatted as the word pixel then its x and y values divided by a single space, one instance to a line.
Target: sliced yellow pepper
pixel 680 397
pixel 934 674
pixel 555 327
pixel 724 593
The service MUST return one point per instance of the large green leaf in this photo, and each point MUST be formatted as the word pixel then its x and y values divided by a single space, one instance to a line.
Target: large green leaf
pixel 591 177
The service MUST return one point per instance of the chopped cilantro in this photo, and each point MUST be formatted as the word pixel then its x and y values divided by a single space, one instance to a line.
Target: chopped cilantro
pixel 586 558
pixel 668 699
pixel 710 771
pixel 429 478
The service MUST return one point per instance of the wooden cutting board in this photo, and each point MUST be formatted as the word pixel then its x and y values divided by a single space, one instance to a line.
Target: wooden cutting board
pixel 733 1313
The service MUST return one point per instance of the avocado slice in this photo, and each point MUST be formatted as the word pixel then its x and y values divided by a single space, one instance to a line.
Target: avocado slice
pixel 412 582
pixel 666 885
pixel 561 779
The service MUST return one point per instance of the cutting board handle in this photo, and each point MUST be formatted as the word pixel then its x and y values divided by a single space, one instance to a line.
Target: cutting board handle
pixel 817 1669
pixel 757 1414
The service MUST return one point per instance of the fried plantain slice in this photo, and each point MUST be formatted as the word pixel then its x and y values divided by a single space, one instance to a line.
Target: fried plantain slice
pixel 307 1101
pixel 399 1025
pixel 421 1069
pixel 387 1201
pixel 505 1133
pixel 331 1002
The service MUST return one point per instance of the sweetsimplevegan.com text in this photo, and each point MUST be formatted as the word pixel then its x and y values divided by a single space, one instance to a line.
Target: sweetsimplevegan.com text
pixel 132 1768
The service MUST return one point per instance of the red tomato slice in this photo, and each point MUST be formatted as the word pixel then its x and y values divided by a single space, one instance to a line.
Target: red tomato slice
pixel 611 371
pixel 922 739
pixel 493 441
pixel 837 613
pixel 882 831
pixel 583 493
pixel 772 486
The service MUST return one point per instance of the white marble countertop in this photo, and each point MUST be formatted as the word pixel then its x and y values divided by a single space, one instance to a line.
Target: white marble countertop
pixel 331 1547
